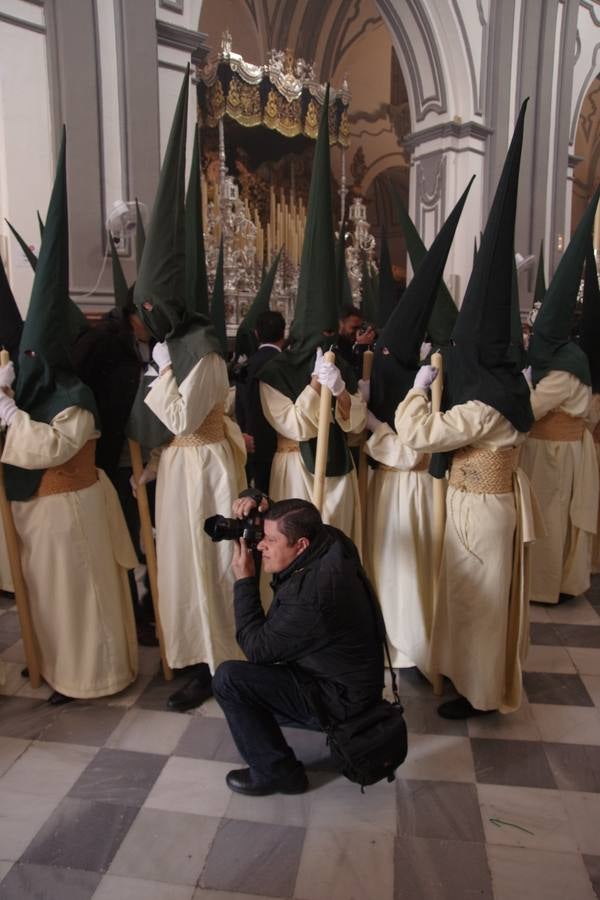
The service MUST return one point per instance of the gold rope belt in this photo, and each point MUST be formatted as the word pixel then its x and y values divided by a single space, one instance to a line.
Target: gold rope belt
pixel 211 431
pixel 558 426
pixel 484 471
pixel 285 445
pixel 421 466
pixel 77 473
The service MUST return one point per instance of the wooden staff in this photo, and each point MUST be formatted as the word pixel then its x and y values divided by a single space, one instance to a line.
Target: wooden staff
pixel 20 587
pixel 322 440
pixel 363 466
pixel 149 548
pixel 439 504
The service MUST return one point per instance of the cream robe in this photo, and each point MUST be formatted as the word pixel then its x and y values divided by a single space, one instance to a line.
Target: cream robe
pixel 564 478
pixel 480 630
pixel 398 546
pixel 195 579
pixel 299 421
pixel 593 421
pixel 6 583
pixel 76 551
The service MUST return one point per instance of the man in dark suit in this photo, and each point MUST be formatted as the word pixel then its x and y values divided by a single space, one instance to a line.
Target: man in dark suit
pixel 270 330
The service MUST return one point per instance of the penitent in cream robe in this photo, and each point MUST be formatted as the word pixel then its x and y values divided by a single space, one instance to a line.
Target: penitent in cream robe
pixel 75 554
pixel 480 628
pixel 299 421
pixel 564 478
pixel 195 579
pixel 398 545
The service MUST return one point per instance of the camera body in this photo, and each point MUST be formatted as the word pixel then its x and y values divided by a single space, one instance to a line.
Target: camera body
pixel 251 529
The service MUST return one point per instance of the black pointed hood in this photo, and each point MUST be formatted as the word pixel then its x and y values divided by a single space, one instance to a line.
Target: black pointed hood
pixel 590 316
pixel 551 347
pixel 477 362
pixel 397 352
pixel 11 323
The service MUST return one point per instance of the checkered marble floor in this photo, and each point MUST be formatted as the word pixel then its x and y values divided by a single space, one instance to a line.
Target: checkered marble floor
pixel 120 800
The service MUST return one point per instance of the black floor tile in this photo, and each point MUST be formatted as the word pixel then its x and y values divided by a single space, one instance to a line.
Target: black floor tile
pixel 521 763
pixel 551 687
pixel 119 776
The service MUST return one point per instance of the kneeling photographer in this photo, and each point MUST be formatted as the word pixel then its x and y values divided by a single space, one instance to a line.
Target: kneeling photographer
pixel 319 645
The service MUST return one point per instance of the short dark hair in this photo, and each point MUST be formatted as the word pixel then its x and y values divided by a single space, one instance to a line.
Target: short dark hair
pixel 296 519
pixel 348 310
pixel 270 327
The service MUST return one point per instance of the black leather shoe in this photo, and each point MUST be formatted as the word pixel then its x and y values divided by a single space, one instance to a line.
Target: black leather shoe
pixel 460 708
pixel 58 699
pixel 242 782
pixel 191 695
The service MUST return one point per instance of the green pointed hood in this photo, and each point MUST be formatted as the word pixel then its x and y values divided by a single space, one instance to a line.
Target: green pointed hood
pixel 140 234
pixel 47 383
pixel 316 305
pixel 477 361
pixel 444 313
pixel 343 289
pixel 196 281
pixel 540 279
pixel 77 322
pixel 516 351
pixel 40 224
pixel 370 302
pixel 551 347
pixel 217 304
pixel 387 284
pixel 590 316
pixel 397 351
pixel 161 275
pixel 246 342
pixel 119 283
pixel 474 250
pixel 31 257
pixel 11 323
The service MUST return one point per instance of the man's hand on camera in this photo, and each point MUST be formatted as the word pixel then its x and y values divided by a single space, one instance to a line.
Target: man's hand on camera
pixel 243 561
pixel 244 506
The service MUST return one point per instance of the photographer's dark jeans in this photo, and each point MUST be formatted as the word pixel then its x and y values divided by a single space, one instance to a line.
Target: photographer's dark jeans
pixel 255 699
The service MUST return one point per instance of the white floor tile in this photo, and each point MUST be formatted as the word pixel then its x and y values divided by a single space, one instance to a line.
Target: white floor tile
pixel 567 724
pixel 337 865
pixel 525 817
pixel 191 785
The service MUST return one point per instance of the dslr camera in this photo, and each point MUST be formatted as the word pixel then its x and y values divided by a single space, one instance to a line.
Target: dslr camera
pixel 218 528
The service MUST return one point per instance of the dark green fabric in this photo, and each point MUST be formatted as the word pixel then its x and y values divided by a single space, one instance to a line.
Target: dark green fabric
pixel 444 313
pixel 396 359
pixel 11 322
pixel 551 347
pixel 40 225
pixel 46 382
pixel 387 284
pixel 31 257
pixel 196 281
pixel 246 342
pixel 140 234
pixel 217 304
pixel 516 350
pixel 119 284
pixel 343 289
pixel 316 306
pixel 590 316
pixel 476 363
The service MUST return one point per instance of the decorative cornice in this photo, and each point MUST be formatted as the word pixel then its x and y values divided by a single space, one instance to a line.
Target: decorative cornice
pixel 453 130
pixel 194 42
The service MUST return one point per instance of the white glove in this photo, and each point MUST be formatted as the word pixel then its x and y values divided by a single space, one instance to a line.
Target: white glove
pixel 528 375
pixel 318 364
pixel 7 375
pixel 373 422
pixel 425 377
pixel 161 356
pixel 330 376
pixel 364 388
pixel 242 360
pixel 425 350
pixel 8 408
pixel 149 474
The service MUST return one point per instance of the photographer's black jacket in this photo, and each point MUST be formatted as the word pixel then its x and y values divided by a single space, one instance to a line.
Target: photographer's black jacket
pixel 324 620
